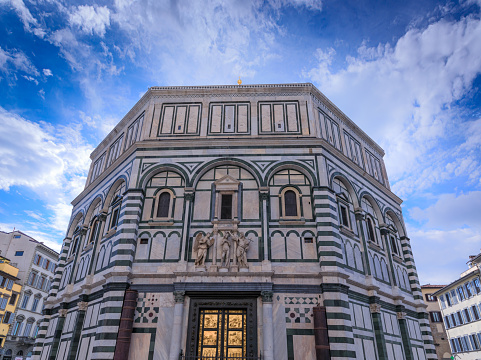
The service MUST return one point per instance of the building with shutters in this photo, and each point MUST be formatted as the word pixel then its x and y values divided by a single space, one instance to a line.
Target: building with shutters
pixel 438 331
pixel 9 293
pixel 460 303
pixel 236 221
pixel 36 264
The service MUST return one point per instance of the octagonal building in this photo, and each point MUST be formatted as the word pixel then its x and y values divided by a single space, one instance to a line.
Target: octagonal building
pixel 247 222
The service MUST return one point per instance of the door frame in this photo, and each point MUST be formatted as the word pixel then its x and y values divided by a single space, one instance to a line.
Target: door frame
pixel 232 301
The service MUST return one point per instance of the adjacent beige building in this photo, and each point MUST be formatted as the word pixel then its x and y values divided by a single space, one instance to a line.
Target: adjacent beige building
pixel 460 304
pixel 438 330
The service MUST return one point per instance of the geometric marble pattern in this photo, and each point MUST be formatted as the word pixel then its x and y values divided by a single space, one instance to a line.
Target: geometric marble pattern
pixel 302 313
pixel 147 310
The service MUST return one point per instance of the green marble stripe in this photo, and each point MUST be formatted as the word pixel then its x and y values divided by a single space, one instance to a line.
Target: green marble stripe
pixel 343 354
pixel 330 243
pixel 330 253
pixel 340 340
pixel 337 316
pixel 111 310
pixel 340 328
pixel 337 303
pixel 103 349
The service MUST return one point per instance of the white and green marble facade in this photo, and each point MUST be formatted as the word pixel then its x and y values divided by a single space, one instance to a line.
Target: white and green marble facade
pixel 254 142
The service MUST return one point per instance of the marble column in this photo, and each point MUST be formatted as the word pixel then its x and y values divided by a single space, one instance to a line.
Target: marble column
pixel 267 325
pixel 361 220
pixel 375 307
pixel 62 314
pixel 189 199
pixel 264 196
pixel 82 308
pixel 177 326
pixel 401 317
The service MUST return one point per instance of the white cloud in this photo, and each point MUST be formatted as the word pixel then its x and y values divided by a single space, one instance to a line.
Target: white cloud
pixel 29 22
pixel 52 162
pixel 91 19
pixel 451 211
pixel 15 60
pixel 403 96
pixel 47 72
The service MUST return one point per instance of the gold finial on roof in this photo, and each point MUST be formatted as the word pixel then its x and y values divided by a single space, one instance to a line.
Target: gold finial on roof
pixel 239 81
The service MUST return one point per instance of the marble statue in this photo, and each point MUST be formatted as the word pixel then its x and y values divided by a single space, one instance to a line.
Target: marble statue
pixel 201 245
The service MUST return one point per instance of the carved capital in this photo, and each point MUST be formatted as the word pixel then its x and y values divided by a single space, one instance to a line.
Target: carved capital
pixel 375 308
pixel 384 231
pixel 83 230
pixel 82 305
pixel 179 297
pixel 103 216
pixel 189 196
pixel 360 214
pixel 264 195
pixel 62 312
pixel 401 315
pixel 267 296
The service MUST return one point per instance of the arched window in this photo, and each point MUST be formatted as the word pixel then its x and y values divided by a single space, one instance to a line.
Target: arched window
pixel 94 231
pixel 370 230
pixel 393 236
pixel 163 206
pixel 290 203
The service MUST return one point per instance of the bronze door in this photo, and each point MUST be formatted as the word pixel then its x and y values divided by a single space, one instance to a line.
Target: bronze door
pixel 222 334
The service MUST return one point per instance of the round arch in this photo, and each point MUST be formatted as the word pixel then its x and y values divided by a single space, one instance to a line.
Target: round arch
pixel 348 185
pixel 161 168
pixel 196 176
pixel 397 222
pixel 373 203
pixel 78 216
pixel 98 199
pixel 294 166
pixel 110 194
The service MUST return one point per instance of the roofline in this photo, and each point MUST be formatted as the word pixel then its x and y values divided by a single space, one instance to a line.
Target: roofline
pixel 457 281
pixel 309 88
pixel 39 243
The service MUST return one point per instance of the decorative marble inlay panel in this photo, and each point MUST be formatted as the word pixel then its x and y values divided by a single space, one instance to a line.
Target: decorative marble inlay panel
pixel 300 310
pixel 147 311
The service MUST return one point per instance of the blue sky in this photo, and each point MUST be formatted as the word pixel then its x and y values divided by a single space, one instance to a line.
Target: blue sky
pixel 408 73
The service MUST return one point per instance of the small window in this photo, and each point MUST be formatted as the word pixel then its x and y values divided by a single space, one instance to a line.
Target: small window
pixel 436 316
pixel 18 253
pixel 12 300
pixel 370 230
pixel 469 289
pixel 467 315
pixel 164 205
pixel 115 218
pixel 290 203
pixel 95 230
pixel 7 317
pixel 144 241
pixel 431 298
pixel 17 236
pixel 448 299
pixel 344 216
pixel 308 240
pixel 226 207
pixel 460 293
pixel 475 312
pixel 477 285
pixel 394 247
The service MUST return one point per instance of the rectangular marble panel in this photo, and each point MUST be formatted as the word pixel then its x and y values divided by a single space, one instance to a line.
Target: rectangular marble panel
pixel 142 252
pixel 278 317
pixel 242 120
pixel 307 207
pixel 156 182
pixel 335 130
pixel 62 350
pixel 415 354
pixel 266 118
pixel 95 315
pixel 304 347
pixel 83 348
pixel 387 323
pixel 395 325
pixel 193 119
pixel 421 354
pixel 158 247
pixel 88 317
pixel 293 246
pixel 163 334
pixel 173 247
pixel 229 117
pixel 359 349
pixel 45 352
pixel 358 315
pixel 215 121
pixel 274 207
pixel 146 211
pixel 155 120
pixel 398 352
pixel 253 251
pixel 139 346
pixel 390 352
pixel 292 121
pixel 249 184
pixel 367 317
pixel 250 204
pixel 279 118
pixel 369 352
pixel 180 115
pixel 167 120
pixel 278 247
pixel 179 209
pixel 309 249
pixel 202 205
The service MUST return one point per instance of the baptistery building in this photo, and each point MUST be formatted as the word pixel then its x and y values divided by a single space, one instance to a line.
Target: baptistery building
pixel 236 222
